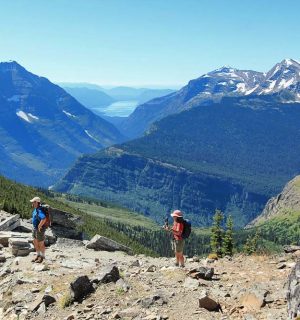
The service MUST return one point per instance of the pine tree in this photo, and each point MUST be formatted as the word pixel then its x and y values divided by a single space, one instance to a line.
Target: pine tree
pixel 227 247
pixel 217 233
pixel 251 244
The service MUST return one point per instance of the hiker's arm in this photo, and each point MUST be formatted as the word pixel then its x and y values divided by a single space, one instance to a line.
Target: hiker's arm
pixel 167 228
pixel 41 224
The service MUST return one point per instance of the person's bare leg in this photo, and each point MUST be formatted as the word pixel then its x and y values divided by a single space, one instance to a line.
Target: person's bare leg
pixel 42 248
pixel 35 244
pixel 177 256
pixel 181 259
pixel 36 247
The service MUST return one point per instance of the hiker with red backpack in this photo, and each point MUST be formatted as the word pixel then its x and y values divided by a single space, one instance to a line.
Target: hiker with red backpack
pixel 181 230
pixel 39 223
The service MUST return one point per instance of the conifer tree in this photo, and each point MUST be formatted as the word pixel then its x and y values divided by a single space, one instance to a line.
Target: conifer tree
pixel 217 233
pixel 227 247
pixel 251 244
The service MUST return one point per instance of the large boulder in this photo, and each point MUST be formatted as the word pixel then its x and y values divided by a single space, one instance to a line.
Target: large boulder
pixel 201 273
pixel 293 292
pixel 8 222
pixel 65 224
pixel 254 298
pixel 99 243
pixel 208 303
pixel 291 248
pixel 5 236
pixel 107 274
pixel 20 246
pixel 80 288
pixel 39 300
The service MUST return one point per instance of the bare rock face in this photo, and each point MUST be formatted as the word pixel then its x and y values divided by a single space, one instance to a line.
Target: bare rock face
pixel 288 198
pixel 99 243
pixel 293 293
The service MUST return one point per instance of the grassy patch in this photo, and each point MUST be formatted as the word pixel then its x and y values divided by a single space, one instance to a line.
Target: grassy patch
pixel 66 300
pixel 110 212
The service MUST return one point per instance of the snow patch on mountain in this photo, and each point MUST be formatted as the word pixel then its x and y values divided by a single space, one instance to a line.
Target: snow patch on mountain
pixel 28 117
pixel 285 83
pixel 69 114
pixel 33 117
pixel 241 87
pixel 91 136
pixel 251 90
pixel 270 86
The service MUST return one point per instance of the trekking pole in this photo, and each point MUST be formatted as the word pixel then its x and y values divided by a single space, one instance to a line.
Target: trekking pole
pixel 166 224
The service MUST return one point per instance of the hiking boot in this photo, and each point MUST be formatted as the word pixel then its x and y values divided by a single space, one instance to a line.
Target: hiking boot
pixel 40 259
pixel 35 259
pixel 182 266
pixel 176 264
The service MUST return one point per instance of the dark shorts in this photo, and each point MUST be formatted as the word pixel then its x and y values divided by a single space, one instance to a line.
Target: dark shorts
pixel 39 235
pixel 178 245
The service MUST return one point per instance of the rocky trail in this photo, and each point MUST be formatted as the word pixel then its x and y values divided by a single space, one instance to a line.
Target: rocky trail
pixel 115 285
pixel 101 279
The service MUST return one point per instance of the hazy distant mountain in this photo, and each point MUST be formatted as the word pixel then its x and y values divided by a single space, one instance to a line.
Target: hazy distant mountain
pixel 139 94
pixel 211 88
pixel 98 99
pixel 43 129
pixel 80 85
pixel 90 98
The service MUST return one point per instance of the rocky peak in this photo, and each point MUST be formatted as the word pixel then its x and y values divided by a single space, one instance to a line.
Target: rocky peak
pixel 10 65
pixel 224 69
pixel 284 75
pixel 224 81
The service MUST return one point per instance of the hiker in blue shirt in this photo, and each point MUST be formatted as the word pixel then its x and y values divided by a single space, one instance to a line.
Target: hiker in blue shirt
pixel 38 220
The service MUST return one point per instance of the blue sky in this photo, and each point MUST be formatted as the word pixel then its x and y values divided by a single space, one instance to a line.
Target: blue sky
pixel 143 42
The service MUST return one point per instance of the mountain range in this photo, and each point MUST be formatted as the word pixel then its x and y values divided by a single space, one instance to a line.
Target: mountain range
pixel 43 128
pixel 217 146
pixel 211 88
